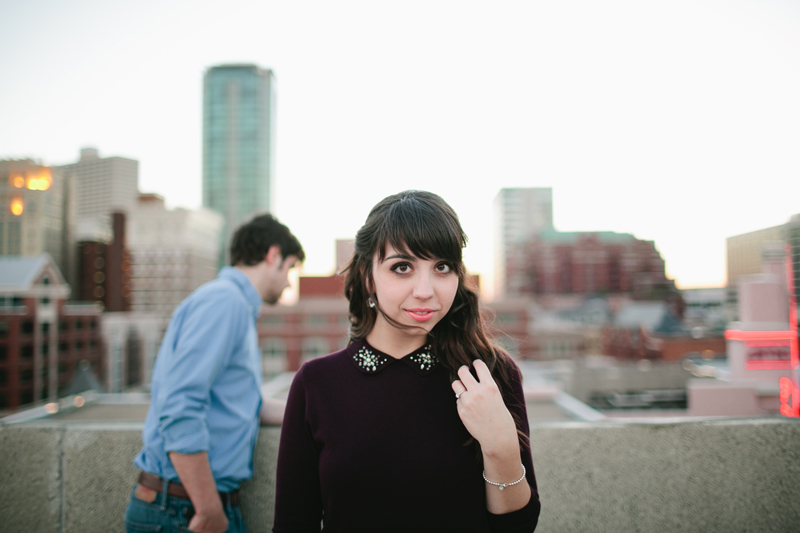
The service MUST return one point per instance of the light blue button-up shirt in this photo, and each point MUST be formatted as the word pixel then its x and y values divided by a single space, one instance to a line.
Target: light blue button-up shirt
pixel 206 391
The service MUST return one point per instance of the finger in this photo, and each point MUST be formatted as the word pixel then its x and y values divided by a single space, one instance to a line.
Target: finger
pixel 458 387
pixel 484 375
pixel 466 377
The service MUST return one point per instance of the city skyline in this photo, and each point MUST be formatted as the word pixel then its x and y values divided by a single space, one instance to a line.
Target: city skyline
pixel 673 122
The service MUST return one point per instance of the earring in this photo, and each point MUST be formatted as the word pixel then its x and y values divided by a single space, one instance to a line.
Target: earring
pixel 371 302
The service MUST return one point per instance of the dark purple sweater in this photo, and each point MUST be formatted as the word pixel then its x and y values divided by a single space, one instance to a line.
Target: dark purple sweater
pixel 371 443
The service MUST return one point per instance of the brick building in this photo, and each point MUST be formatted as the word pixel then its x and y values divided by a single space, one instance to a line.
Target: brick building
pixel 554 262
pixel 104 270
pixel 43 338
pixel 316 325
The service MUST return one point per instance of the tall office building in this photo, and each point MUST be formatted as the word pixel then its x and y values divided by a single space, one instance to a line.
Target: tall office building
pixel 519 214
pixel 238 141
pixel 103 185
pixel 166 266
pixel 37 214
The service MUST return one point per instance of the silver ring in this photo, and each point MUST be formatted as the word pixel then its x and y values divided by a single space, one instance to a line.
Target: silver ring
pixel 460 393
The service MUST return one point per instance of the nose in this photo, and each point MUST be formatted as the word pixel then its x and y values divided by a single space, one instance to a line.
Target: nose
pixel 423 288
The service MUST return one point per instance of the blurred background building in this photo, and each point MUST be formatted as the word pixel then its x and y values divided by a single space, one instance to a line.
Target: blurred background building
pixel 103 185
pixel 519 213
pixel 744 257
pixel 43 337
pixel 173 251
pixel 37 214
pixel 238 142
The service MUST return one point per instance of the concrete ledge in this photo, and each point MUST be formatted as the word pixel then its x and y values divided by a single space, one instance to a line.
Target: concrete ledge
pixel 697 476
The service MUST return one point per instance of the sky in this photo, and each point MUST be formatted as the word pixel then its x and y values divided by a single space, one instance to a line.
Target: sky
pixel 677 121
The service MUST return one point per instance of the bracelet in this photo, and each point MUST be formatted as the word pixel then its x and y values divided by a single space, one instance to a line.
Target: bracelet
pixel 501 486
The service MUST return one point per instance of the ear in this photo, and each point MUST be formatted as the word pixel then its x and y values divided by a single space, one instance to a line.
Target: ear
pixel 273 255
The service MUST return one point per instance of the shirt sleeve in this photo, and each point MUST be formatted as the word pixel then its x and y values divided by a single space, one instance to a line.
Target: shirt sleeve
pixel 522 520
pixel 298 496
pixel 210 330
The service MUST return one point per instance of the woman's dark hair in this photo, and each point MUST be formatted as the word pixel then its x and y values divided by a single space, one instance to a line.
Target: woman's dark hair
pixel 252 241
pixel 422 224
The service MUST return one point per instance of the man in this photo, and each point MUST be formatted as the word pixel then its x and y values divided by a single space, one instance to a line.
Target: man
pixel 206 403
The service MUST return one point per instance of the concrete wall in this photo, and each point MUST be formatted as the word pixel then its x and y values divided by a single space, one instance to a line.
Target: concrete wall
pixel 684 476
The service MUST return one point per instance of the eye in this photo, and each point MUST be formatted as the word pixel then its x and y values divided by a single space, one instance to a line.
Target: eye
pixel 401 268
pixel 444 268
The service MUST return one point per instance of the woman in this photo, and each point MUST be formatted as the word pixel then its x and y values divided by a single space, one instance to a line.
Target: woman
pixel 373 438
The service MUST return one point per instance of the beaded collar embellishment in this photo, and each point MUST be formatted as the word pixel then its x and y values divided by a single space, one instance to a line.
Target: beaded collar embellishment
pixel 370 362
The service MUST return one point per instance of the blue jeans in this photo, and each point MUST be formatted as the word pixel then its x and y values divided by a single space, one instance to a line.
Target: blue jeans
pixel 168 514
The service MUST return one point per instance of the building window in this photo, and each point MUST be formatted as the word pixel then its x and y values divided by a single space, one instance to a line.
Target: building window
pixel 45 300
pixel 3 352
pixel 27 327
pixel 315 347
pixel 25 376
pixel 78 346
pixel 3 377
pixel 45 349
pixel 272 320
pixel 3 328
pixel 46 328
pixel 26 352
pixel 78 325
pixel 315 320
pixel 63 326
pixel 63 347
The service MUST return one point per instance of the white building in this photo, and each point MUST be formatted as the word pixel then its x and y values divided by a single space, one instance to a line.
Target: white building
pixel 519 213
pixel 173 251
pixel 103 185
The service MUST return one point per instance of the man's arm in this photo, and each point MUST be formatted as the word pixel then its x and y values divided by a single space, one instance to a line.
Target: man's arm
pixel 272 412
pixel 195 473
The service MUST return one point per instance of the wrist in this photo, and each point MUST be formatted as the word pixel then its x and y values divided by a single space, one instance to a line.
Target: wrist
pixel 501 448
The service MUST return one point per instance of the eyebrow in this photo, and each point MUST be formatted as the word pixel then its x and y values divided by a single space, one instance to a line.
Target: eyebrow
pixel 401 256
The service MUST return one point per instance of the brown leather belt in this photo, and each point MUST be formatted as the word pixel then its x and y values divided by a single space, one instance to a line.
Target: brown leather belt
pixel 153 482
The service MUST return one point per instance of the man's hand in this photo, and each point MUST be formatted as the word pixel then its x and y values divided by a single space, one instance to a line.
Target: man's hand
pixel 217 523
pixel 196 477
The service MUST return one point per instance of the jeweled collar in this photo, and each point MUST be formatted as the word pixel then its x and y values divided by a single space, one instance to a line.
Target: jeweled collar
pixel 370 360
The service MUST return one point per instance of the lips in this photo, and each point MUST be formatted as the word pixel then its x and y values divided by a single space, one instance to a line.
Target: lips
pixel 420 314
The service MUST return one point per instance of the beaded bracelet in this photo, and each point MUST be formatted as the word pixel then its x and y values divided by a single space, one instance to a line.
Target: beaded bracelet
pixel 501 486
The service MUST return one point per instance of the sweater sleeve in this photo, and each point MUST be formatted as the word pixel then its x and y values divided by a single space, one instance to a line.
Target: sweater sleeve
pixel 522 520
pixel 298 498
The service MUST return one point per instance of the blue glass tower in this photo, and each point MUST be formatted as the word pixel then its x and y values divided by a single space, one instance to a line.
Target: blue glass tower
pixel 238 141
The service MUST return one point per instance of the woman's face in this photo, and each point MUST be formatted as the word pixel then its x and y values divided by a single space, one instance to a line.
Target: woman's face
pixel 412 291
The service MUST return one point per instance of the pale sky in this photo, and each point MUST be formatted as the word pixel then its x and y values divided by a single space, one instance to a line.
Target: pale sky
pixel 677 121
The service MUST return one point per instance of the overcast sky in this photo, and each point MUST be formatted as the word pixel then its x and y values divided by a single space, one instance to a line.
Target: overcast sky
pixel 677 121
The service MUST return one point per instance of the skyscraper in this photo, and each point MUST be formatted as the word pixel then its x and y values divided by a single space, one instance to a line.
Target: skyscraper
pixel 103 185
pixel 238 141
pixel 519 213
pixel 37 212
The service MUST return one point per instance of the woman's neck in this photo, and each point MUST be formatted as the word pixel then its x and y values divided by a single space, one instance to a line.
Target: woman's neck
pixel 393 341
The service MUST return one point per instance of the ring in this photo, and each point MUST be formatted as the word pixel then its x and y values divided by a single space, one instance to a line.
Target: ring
pixel 460 393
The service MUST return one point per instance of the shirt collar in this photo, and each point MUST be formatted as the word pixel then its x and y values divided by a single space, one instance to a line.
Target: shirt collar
pixel 370 360
pixel 245 285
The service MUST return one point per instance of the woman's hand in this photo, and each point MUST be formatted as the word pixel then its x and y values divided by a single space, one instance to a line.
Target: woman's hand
pixel 486 417
pixel 483 411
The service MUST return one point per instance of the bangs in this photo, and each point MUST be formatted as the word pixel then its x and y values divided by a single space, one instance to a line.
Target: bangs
pixel 422 227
